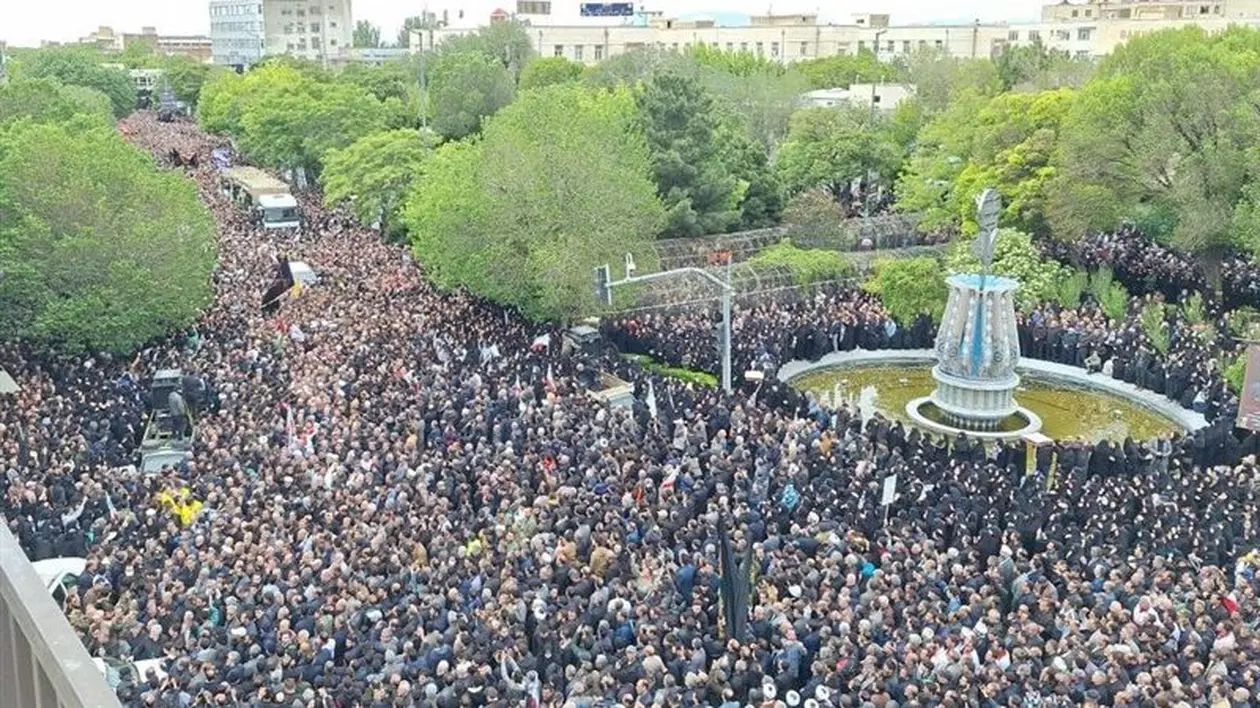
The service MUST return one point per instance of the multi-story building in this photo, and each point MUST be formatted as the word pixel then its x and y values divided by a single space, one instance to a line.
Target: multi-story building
pixel 237 35
pixel 111 42
pixel 319 30
pixel 244 31
pixel 1089 30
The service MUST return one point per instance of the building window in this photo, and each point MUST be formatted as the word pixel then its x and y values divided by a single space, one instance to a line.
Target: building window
pixel 673 47
pixel 332 42
pixel 577 52
pixel 905 46
pixel 1082 54
pixel 1064 35
pixel 743 46
pixel 774 49
pixel 861 48
pixel 1076 13
pixel 1085 33
pixel 761 50
pixel 804 48
pixel 1013 35
pixel 559 50
pixel 1204 9
pixel 922 44
pixel 1126 13
pixel 730 46
pixel 939 44
pixel 315 28
pixel 890 47
pixel 599 52
pixel 288 29
pixel 1034 35
pixel 1089 12
pixel 533 7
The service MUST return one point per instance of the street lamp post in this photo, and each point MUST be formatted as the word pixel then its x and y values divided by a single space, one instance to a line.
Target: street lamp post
pixel 604 284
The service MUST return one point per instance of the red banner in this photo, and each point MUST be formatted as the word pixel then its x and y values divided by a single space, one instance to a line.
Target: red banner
pixel 1249 403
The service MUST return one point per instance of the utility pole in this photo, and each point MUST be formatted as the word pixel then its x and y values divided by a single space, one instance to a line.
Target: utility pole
pixel 604 287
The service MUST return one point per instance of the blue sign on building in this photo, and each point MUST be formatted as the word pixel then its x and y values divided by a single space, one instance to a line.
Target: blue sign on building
pixel 607 9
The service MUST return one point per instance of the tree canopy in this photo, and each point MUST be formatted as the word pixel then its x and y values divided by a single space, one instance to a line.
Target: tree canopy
pixel 843 70
pixel 830 147
pixel 285 119
pixel 376 172
pixel 559 183
pixel 1167 127
pixel 700 195
pixel 1006 142
pixel 464 88
pixel 79 67
pixel 545 71
pixel 50 101
pixel 99 248
pixel 367 35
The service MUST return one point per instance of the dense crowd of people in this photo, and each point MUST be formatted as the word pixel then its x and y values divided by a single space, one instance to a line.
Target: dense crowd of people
pixel 1146 267
pixel 397 501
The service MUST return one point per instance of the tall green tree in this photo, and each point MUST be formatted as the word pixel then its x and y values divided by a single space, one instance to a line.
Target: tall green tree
pixel 1007 142
pixel 285 119
pixel 939 79
pixel 390 80
pixel 1167 127
pixel 80 68
pixel 366 35
pixel 100 249
pixel 465 88
pixel 505 42
pixel 186 76
pixel 700 194
pixel 375 173
pixel 842 70
pixel 410 24
pixel 830 147
pixel 50 101
pixel 545 71
pixel 1033 67
pixel 763 101
pixel 559 183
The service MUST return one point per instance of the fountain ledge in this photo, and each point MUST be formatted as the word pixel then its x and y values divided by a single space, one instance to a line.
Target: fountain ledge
pixel 1050 371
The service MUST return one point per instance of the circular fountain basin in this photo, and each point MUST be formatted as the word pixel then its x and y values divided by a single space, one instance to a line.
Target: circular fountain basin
pixel 1059 401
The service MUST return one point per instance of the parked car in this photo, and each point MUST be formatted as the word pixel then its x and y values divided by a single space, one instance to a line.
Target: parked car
pixel 58 574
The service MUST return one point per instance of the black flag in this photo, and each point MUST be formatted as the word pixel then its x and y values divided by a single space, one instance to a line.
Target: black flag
pixel 733 586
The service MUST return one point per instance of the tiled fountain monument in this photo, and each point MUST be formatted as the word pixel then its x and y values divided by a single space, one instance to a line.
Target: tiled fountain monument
pixel 977 350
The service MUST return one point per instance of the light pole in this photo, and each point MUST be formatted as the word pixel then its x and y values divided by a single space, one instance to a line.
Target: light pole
pixel 875 80
pixel 604 287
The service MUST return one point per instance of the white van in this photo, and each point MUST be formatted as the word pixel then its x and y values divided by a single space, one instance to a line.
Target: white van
pixel 58 574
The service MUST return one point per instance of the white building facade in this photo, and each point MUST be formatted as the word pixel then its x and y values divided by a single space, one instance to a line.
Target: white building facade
pixel 243 32
pixel 237 35
pixel 319 30
pixel 1083 30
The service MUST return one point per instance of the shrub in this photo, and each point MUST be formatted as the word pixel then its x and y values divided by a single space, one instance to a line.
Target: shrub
pixel 809 266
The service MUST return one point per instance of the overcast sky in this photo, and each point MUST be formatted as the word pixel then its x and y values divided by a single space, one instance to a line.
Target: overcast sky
pixel 26 22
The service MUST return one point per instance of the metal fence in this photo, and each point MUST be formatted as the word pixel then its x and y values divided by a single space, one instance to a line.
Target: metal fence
pixel 860 235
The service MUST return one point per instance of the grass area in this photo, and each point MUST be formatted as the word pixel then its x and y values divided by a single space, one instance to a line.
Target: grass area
pixel 703 378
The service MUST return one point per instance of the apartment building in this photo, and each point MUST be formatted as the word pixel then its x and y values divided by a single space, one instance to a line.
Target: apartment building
pixel 770 37
pixel 1082 29
pixel 242 32
pixel 237 35
pixel 319 30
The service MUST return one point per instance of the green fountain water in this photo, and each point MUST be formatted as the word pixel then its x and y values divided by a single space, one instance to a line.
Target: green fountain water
pixel 1065 412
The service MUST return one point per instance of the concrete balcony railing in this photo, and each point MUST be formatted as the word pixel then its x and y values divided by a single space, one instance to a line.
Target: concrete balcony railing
pixel 42 662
